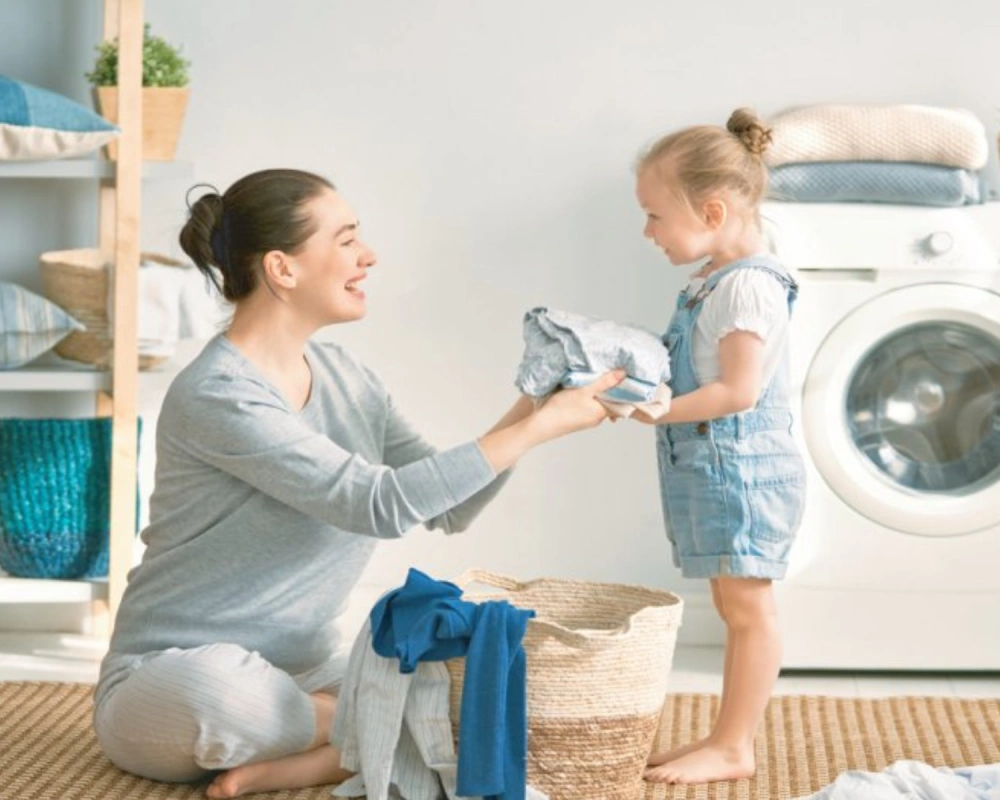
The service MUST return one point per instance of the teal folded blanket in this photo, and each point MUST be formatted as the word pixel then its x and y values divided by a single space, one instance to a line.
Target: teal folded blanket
pixel 876 182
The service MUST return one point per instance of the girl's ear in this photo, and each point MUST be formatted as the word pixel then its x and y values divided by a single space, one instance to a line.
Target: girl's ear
pixel 714 213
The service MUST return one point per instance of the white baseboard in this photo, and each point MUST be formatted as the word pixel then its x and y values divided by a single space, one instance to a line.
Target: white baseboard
pixel 46 617
pixel 700 624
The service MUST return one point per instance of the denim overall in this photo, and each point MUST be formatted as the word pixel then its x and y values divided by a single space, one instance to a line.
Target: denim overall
pixel 733 488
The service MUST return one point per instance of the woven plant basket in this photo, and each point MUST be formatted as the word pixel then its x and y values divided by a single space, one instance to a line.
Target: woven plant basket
pixel 598 659
pixel 54 497
pixel 80 282
pixel 163 110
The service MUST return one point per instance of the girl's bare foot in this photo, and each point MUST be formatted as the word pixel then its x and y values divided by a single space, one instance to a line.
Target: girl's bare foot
pixel 708 763
pixel 300 771
pixel 656 759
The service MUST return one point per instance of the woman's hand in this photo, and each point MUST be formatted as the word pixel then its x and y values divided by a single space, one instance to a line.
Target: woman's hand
pixel 566 411
pixel 570 410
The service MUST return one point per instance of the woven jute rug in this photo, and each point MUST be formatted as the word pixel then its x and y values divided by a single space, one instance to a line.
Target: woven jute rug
pixel 48 752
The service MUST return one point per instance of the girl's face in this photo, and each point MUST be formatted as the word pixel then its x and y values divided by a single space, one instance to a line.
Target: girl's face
pixel 331 265
pixel 671 223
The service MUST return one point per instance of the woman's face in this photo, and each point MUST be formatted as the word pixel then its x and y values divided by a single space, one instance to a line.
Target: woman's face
pixel 331 265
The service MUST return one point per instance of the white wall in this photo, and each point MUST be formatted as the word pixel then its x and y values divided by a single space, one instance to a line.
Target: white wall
pixel 487 149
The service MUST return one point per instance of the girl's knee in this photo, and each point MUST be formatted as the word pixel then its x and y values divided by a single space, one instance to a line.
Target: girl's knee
pixel 747 602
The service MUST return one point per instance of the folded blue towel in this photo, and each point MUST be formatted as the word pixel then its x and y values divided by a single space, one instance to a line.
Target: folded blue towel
pixel 876 182
pixel 563 349
pixel 426 620
pixel 630 390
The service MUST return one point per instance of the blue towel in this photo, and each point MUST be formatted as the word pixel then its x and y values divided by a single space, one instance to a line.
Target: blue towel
pixel 876 182
pixel 630 390
pixel 562 349
pixel 426 620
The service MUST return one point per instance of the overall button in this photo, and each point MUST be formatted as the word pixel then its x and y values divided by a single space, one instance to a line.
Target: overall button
pixel 702 428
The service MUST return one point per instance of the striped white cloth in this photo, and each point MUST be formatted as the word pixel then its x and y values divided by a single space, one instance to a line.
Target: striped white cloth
pixel 30 325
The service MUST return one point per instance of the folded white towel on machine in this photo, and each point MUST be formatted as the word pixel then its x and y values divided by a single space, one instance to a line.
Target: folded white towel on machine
pixel 952 137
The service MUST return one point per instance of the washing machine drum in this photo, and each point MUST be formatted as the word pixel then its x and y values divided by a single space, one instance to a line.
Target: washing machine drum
pixel 923 406
pixel 901 409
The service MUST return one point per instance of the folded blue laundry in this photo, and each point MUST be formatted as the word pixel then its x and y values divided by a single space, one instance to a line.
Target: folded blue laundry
pixel 876 182
pixel 564 349
pixel 630 390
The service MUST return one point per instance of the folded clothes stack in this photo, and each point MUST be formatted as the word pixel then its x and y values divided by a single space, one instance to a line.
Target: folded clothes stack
pixel 908 154
pixel 568 350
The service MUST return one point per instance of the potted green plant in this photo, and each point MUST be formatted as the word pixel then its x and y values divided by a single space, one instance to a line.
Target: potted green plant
pixel 164 93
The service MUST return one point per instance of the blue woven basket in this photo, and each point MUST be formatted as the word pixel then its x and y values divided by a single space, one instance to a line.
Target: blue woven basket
pixel 55 477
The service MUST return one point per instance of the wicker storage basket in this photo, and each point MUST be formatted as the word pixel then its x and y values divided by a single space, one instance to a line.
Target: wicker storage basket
pixel 163 110
pixel 598 658
pixel 79 281
pixel 54 497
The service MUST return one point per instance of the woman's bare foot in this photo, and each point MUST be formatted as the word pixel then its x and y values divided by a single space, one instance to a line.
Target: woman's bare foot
pixel 708 763
pixel 657 759
pixel 300 771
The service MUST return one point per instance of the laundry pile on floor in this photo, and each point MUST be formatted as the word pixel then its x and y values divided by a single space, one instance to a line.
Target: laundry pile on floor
pixel 393 726
pixel 915 780
pixel 910 154
pixel 569 350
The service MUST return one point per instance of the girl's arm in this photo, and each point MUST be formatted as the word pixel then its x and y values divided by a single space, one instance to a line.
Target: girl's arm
pixel 741 367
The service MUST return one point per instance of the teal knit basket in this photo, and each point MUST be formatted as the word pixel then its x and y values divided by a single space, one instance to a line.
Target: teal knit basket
pixel 55 479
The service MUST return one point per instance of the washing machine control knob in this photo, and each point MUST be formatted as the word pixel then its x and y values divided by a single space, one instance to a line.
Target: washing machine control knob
pixel 939 243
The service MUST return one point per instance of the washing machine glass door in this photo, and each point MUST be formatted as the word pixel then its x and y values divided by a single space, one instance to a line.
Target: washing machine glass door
pixel 901 409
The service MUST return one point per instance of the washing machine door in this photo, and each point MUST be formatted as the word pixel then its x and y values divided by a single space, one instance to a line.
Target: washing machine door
pixel 901 409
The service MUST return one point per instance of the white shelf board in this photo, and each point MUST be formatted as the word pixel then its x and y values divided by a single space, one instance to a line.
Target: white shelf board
pixel 42 590
pixel 92 168
pixel 51 376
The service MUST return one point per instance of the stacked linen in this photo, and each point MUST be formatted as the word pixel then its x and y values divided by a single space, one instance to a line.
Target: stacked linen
pixel 176 302
pixel 910 154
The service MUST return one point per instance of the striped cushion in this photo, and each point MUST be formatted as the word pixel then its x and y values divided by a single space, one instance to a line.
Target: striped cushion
pixel 29 325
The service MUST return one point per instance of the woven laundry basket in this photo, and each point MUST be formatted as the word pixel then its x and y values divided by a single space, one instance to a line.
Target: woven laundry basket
pixel 598 659
pixel 80 282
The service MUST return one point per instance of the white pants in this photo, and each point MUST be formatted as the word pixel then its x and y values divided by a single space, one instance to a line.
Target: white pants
pixel 178 715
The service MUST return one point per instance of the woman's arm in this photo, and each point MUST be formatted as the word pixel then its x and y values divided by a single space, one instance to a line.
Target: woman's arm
pixel 247 431
pixel 741 367
pixel 404 444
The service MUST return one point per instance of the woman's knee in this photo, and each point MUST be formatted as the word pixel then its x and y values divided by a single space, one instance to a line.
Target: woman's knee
pixel 213 707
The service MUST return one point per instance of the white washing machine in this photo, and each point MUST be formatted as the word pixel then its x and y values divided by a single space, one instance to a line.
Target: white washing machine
pixel 896 370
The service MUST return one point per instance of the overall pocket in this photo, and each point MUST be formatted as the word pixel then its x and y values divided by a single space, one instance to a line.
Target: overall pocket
pixel 775 504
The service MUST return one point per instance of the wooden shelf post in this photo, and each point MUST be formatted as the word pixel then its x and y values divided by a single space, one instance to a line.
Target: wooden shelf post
pixel 125 284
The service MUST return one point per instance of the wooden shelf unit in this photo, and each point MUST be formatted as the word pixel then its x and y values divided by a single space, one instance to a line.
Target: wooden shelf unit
pixel 115 390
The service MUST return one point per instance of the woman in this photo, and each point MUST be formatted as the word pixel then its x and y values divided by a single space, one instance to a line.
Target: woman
pixel 280 463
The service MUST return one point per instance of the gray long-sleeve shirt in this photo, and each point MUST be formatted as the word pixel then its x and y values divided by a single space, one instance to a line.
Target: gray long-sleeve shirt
pixel 263 518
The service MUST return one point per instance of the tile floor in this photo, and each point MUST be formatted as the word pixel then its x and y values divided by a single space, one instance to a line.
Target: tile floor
pixel 66 657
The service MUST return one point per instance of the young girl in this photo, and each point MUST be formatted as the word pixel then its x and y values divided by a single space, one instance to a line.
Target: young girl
pixel 732 480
